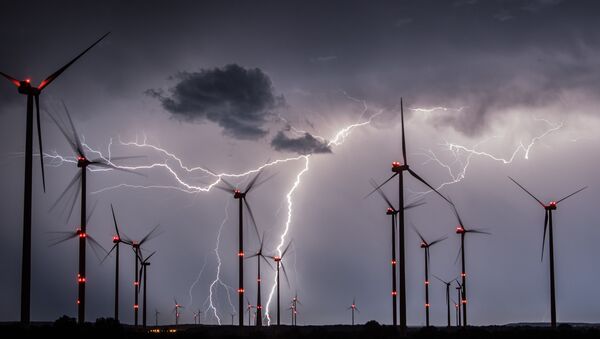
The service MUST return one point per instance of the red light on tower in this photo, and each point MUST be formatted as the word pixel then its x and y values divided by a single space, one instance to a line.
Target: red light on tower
pixel 136 306
pixel 28 80
pixel 394 293
pixel 464 301
pixel 395 164
pixel 240 254
pixel 426 305
pixel 116 239
pixel 460 230
pixel 423 244
pixel 240 290
pixel 393 262
pixel 277 258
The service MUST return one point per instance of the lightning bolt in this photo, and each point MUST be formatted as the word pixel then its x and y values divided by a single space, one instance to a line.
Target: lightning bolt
pixel 463 165
pixel 176 168
pixel 217 279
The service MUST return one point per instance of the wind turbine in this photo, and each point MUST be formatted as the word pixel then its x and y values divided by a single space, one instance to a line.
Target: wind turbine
pixel 447 284
pixel 279 263
pixel 457 315
pixel 156 313
pixel 426 246
pixel 398 170
pixel 33 93
pixel 136 247
pixel 241 196
pixel 259 255
pixel 463 231
pixel 144 262
pixel 457 304
pixel 176 310
pixel 197 319
pixel 392 211
pixel 232 315
pixel 295 303
pixel 117 239
pixel 353 308
pixel 96 247
pixel 72 137
pixel 548 227
pixel 249 308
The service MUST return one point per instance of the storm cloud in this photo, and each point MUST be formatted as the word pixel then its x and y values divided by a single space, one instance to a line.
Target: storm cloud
pixel 306 144
pixel 236 98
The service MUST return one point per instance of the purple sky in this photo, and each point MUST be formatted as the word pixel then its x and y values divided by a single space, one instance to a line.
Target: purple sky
pixel 491 89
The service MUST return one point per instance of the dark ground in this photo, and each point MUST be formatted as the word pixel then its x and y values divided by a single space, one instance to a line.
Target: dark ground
pixel 108 329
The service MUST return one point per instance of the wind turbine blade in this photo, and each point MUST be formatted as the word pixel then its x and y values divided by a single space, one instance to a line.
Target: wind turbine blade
pixel 478 231
pixel 115 221
pixel 526 191
pixel 66 236
pixel 572 194
pixel 403 136
pixel 457 255
pixel 457 215
pixel 109 252
pixel 253 181
pixel 127 157
pixel 56 74
pixel 96 247
pixel 39 131
pixel 287 280
pixel 416 176
pixel 544 237
pixel 91 212
pixel 438 278
pixel 80 151
pixel 246 257
pixel 286 249
pixel 438 240
pixel 150 235
pixel 268 262
pixel 11 79
pixel 148 257
pixel 414 204
pixel 64 132
pixel 251 217
pixel 69 186
pixel 103 164
pixel 258 184
pixel 378 187
pixel 418 233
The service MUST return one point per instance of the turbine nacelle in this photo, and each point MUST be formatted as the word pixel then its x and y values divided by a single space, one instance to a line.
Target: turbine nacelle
pixel 460 230
pixel 423 244
pixel 390 211
pixel 551 205
pixel 277 258
pixel 26 88
pixel 80 233
pixel 82 161
pixel 237 194
pixel 397 167
pixel 116 239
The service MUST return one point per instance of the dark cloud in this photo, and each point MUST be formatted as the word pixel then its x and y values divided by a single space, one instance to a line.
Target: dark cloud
pixel 236 98
pixel 306 144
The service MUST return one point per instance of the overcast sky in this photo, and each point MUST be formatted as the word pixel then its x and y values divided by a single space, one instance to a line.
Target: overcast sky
pixel 231 85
